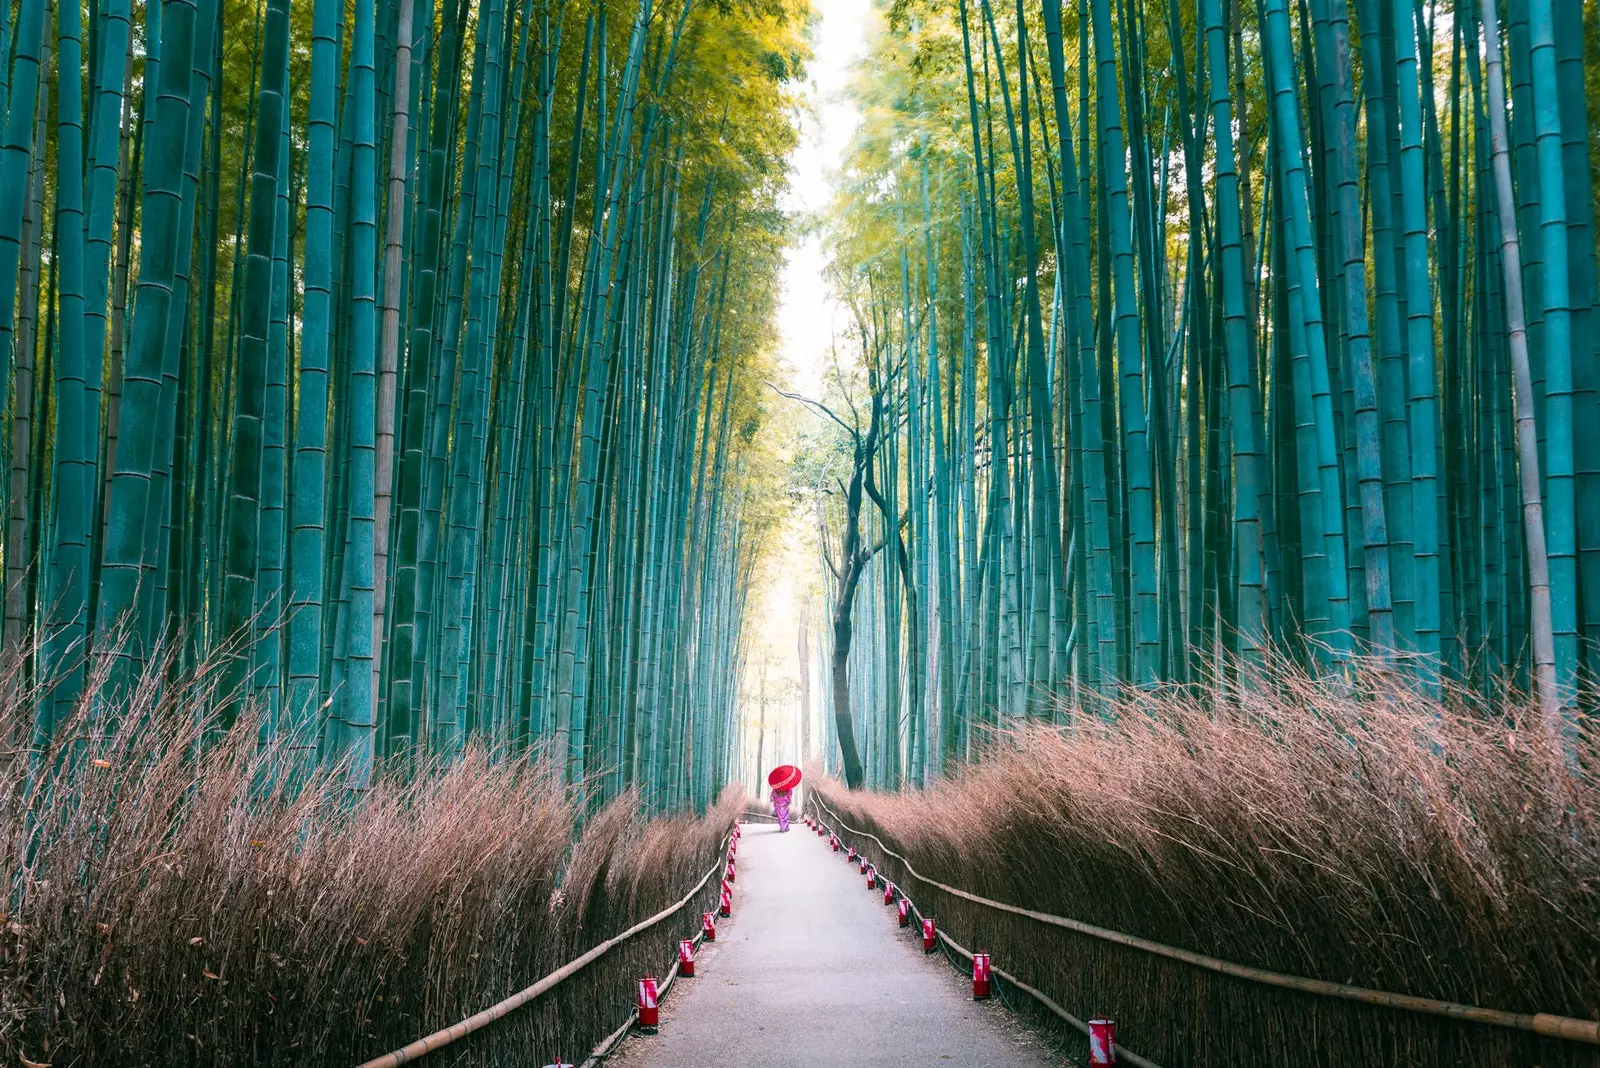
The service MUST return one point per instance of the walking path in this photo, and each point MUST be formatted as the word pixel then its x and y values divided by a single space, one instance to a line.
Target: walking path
pixel 811 970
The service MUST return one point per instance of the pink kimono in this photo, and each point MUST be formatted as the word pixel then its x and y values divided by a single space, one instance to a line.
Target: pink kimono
pixel 780 807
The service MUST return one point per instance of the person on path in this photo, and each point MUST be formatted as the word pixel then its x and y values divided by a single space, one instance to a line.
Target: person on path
pixel 780 807
pixel 782 780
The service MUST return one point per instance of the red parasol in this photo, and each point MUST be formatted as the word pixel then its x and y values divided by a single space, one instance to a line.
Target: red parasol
pixel 784 777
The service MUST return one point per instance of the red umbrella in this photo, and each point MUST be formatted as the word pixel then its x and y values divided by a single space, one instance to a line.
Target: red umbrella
pixel 784 777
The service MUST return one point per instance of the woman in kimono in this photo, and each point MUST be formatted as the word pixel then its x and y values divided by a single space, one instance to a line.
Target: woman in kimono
pixel 782 780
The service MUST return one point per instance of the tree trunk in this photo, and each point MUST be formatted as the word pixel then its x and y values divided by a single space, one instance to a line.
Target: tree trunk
pixel 389 343
pixel 852 562
pixel 761 726
pixel 18 558
pixel 805 688
pixel 840 667
pixel 119 292
pixel 1544 670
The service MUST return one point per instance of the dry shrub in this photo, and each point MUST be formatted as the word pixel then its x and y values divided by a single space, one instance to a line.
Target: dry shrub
pixel 173 902
pixel 1368 834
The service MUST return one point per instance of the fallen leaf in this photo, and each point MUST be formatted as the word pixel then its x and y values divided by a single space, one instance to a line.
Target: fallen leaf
pixel 209 974
pixel 26 1063
pixel 195 941
pixel 101 763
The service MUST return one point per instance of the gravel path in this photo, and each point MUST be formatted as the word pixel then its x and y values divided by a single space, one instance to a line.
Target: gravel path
pixel 811 971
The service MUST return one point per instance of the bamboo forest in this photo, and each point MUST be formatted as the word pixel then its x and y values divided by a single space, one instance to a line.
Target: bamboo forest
pixel 1201 334
pixel 452 451
pixel 310 373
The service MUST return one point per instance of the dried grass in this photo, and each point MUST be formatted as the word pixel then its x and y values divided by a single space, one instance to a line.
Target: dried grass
pixel 170 908
pixel 1369 835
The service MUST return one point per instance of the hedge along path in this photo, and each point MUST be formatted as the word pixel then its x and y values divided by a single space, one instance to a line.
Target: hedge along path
pixel 479 1020
pixel 1540 1023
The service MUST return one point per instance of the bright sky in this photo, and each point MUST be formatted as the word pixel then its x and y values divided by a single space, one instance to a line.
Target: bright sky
pixel 807 318
pixel 807 312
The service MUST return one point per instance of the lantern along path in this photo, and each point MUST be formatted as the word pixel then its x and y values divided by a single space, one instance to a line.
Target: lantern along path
pixel 812 970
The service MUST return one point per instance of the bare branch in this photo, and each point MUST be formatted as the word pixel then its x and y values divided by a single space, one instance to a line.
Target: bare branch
pixel 815 405
pixel 838 376
pixel 822 541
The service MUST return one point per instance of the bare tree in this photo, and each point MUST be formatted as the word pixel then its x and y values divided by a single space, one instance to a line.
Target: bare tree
pixel 854 553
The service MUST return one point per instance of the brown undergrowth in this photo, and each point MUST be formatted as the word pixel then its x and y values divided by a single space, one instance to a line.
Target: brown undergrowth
pixel 1369 835
pixel 168 908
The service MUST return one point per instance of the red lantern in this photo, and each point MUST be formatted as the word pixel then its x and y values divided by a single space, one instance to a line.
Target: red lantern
pixel 905 911
pixel 686 958
pixel 872 878
pixel 732 875
pixel 863 860
pixel 1102 1042
pixel 726 907
pixel 649 1004
pixel 980 976
pixel 888 892
pixel 708 924
pixel 833 840
pixel 851 856
pixel 929 935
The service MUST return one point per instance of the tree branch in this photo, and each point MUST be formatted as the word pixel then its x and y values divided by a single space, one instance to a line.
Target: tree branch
pixel 817 406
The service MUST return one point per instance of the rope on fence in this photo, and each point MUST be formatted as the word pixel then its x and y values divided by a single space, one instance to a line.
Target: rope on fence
pixel 1540 1023
pixel 427 1044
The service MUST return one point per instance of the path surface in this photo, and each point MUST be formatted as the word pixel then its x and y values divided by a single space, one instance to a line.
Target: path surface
pixel 811 971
